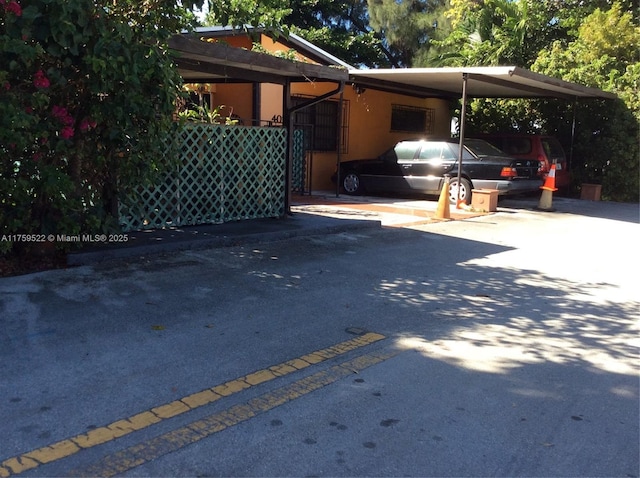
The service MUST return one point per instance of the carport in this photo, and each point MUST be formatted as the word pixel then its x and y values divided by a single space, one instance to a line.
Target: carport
pixel 474 82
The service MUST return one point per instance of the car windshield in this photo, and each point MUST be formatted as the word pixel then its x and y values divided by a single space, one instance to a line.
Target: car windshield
pixel 482 148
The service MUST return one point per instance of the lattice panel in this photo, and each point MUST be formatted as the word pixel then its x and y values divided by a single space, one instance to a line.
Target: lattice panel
pixel 254 173
pixel 225 173
pixel 151 207
pixel 200 176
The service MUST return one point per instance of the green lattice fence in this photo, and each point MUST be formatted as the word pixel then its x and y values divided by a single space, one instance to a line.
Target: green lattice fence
pixel 225 173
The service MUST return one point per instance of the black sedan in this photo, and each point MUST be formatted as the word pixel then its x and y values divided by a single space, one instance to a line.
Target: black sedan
pixel 419 166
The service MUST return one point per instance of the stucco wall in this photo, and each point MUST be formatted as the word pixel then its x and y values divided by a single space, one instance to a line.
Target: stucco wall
pixel 236 99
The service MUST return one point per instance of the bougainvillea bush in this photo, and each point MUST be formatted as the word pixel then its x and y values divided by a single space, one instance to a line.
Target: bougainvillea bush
pixel 87 94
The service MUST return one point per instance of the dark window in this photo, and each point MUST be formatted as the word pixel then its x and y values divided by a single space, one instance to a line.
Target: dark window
pixel 553 150
pixel 321 122
pixel 517 146
pixel 411 119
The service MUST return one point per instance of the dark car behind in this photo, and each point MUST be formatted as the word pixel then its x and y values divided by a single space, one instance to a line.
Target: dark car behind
pixel 419 166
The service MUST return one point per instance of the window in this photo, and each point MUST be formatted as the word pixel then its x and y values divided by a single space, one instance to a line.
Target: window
pixel 321 120
pixel 411 119
pixel 516 145
pixel 431 151
pixel 406 150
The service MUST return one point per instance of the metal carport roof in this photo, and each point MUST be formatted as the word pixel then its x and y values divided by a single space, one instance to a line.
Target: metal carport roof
pixel 484 82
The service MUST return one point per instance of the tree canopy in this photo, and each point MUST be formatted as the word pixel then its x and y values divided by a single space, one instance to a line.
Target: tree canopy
pixel 604 55
pixel 342 28
pixel 601 136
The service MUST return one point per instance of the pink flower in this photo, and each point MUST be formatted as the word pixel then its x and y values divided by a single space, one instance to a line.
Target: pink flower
pixel 67 132
pixel 62 114
pixel 13 7
pixel 37 156
pixel 59 111
pixel 28 110
pixel 40 80
pixel 7 85
pixel 86 124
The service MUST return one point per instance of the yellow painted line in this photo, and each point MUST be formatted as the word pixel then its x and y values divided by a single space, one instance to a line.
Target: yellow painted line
pixel 62 449
pixel 144 452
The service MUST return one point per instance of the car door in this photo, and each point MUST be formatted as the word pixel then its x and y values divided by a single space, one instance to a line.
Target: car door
pixel 427 170
pixel 390 175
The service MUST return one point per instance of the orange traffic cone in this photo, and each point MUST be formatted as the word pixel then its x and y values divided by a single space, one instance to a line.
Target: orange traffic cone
pixel 442 211
pixel 546 199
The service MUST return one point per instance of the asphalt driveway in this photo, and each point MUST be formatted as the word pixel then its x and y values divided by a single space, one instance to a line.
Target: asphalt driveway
pixel 500 344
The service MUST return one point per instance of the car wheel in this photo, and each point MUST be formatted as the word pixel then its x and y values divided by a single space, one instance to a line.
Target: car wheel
pixel 351 183
pixel 465 191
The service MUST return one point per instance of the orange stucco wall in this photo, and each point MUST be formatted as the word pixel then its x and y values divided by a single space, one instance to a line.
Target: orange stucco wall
pixel 270 102
pixel 237 99
pixel 239 41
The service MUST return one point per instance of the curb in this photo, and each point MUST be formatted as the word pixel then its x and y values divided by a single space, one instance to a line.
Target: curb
pixel 223 240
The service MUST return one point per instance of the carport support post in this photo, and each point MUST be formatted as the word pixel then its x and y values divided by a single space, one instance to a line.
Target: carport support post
pixel 465 78
pixel 573 133
pixel 287 120
pixel 339 143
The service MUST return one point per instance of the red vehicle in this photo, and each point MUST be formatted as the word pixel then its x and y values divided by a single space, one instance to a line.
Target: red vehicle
pixel 545 149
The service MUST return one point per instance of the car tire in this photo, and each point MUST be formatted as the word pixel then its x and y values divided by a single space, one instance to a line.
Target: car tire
pixel 351 183
pixel 465 191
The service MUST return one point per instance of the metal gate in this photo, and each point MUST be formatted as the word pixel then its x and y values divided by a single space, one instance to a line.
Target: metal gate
pixel 302 158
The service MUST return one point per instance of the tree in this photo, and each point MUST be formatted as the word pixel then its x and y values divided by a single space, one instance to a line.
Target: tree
pixel 568 15
pixel 605 56
pixel 408 27
pixel 342 28
pixel 492 32
pixel 268 14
